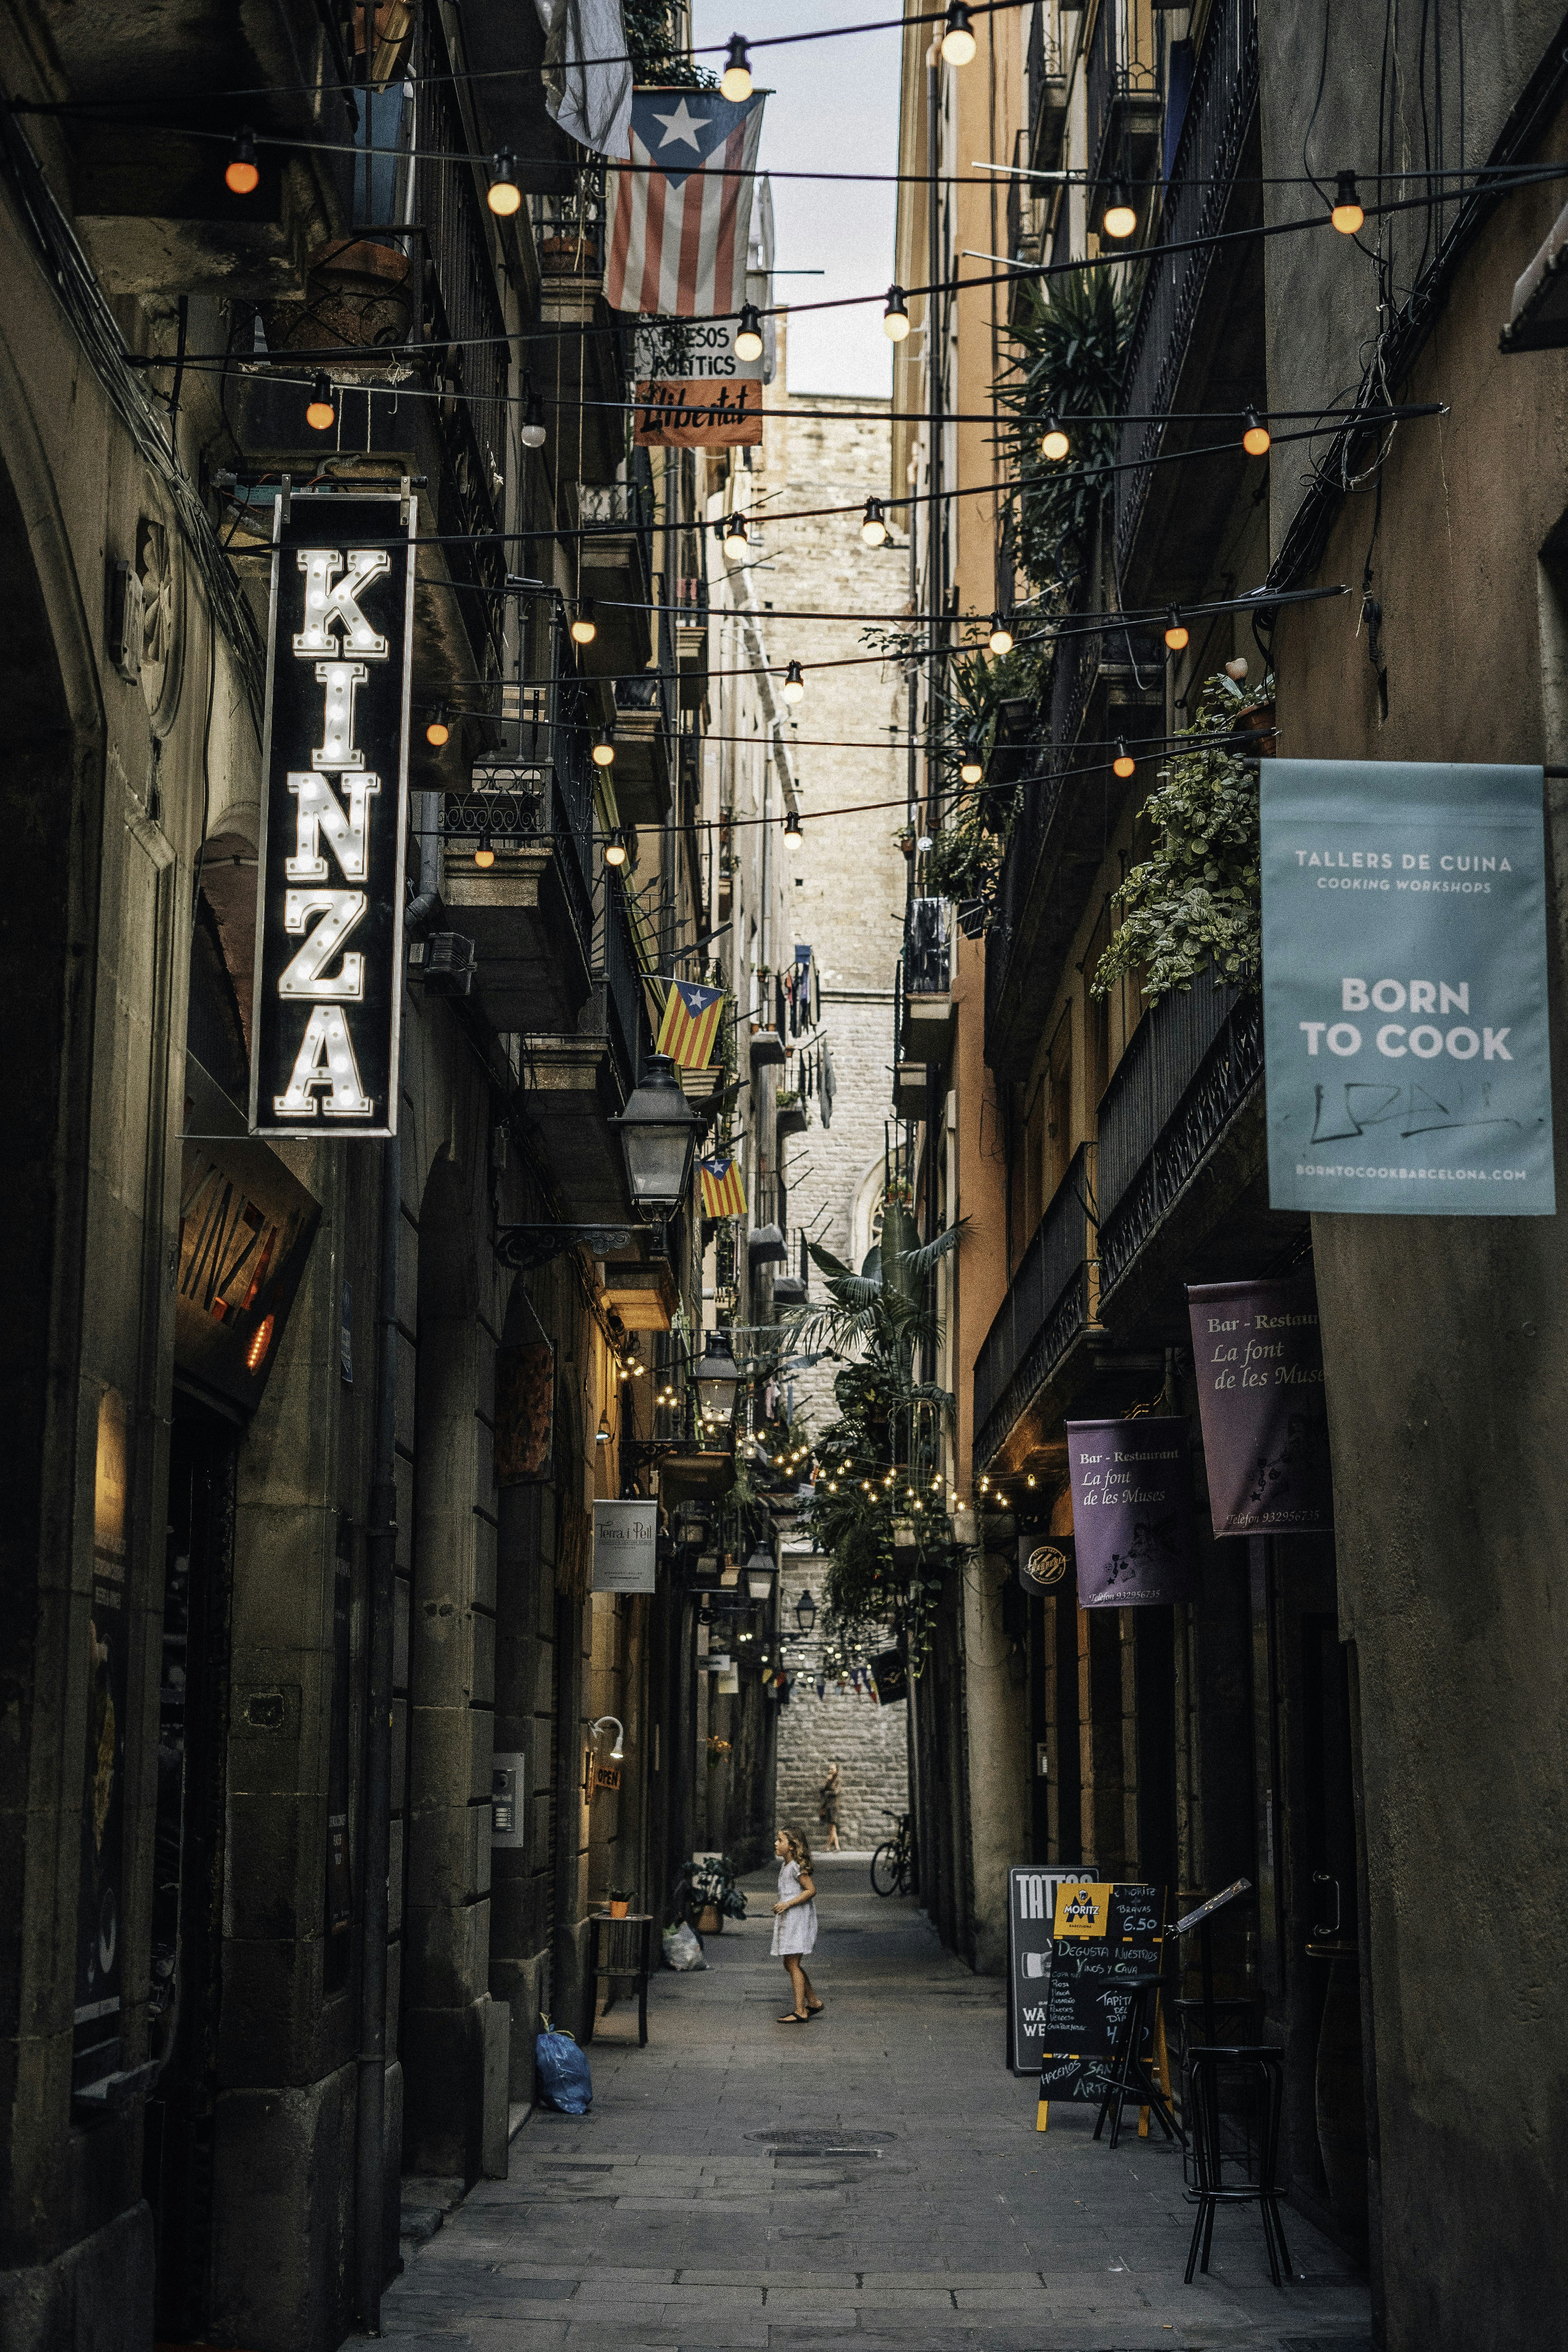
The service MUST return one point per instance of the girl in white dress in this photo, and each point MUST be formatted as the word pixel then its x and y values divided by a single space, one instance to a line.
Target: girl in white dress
pixel 795 1923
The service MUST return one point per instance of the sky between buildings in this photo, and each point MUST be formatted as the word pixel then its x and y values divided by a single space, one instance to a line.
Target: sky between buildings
pixel 835 107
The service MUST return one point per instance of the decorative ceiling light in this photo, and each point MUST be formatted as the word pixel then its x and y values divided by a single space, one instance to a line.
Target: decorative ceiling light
pixel 531 432
pixel 1119 217
pixel 794 687
pixel 873 523
pixel 604 751
pixel 319 413
pixel 736 84
pixel 243 175
pixel 958 41
pixel 1257 437
pixel 1177 634
pixel 1054 442
pixel 504 195
pixel 436 730
pixel 1124 764
pixel 1000 640
pixel 484 856
pixel 749 336
pixel 584 628
pixel 896 317
pixel 1349 212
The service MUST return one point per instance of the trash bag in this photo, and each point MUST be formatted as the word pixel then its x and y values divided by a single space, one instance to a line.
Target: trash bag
pixel 564 2082
pixel 682 1949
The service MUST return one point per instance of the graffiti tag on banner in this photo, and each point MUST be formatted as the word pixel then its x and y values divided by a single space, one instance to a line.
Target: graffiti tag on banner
pixel 698 416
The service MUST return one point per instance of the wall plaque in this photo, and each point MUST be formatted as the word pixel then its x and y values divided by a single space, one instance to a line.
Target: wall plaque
pixel 626 1547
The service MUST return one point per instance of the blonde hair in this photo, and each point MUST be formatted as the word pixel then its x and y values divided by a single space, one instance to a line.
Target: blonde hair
pixel 799 1852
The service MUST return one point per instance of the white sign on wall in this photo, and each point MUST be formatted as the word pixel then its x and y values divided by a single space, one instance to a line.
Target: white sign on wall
pixel 626 1547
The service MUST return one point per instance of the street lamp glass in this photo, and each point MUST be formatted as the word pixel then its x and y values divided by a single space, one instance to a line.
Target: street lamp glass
pixel 806 1611
pixel 659 1137
pixel 718 1380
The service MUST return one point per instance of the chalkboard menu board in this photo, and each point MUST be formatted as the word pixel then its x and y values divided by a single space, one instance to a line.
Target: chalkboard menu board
pixel 1106 1934
pixel 1031 1927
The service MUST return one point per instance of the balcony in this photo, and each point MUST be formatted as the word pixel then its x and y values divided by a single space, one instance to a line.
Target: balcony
pixel 1047 94
pixel 1180 1124
pixel 691 641
pixel 1102 684
pixel 927 1013
pixel 644 731
pixel 1050 1308
pixel 1197 340
pixel 616 520
pixel 587 362
pixel 1121 84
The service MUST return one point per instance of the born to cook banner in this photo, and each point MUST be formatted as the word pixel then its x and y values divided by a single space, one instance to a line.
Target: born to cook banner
pixel 1404 989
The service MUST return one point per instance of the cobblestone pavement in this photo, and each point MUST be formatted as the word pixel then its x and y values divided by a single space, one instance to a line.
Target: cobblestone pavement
pixel 874 2176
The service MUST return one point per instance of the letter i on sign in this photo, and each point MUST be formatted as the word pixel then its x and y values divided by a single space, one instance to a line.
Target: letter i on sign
pixel 329 967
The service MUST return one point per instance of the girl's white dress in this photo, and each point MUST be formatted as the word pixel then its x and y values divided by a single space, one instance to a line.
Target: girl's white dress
pixel 794 1930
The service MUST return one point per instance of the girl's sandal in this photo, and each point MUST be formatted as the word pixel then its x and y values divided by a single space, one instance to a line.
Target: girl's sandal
pixel 814 2009
pixel 793 2017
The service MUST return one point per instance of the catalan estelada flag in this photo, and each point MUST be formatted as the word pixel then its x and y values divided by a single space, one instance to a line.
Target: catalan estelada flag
pixel 723 1194
pixel 690 1023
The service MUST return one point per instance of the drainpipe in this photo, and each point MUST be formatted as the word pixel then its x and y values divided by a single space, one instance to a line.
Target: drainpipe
pixel 369 2155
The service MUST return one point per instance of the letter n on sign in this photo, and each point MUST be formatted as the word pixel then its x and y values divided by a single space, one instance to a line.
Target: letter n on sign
pixel 329 919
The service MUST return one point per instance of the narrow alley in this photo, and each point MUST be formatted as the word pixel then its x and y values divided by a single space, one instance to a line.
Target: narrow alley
pixel 875 2176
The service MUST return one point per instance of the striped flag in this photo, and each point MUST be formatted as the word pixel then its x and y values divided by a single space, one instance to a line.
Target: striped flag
pixel 679 233
pixel 723 1194
pixel 690 1023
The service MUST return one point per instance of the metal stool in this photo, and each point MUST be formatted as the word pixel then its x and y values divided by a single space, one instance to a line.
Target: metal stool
pixel 1261 2071
pixel 1127 2077
pixel 620 1948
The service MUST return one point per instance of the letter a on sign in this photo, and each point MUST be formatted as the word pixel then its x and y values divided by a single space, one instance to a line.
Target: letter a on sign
pixel 329 955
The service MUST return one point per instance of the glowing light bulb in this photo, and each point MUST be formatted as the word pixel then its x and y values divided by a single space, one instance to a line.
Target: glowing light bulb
pixel 1124 764
pixel 320 412
pixel 749 339
pixel 1349 212
pixel 1177 634
pixel 484 856
pixel 896 317
pixel 584 628
pixel 794 687
pixel 504 195
pixel 1001 637
pixel 958 41
pixel 736 82
pixel 1119 217
pixel 604 752
pixel 1054 443
pixel 1257 437
pixel 873 526
pixel 614 853
pixel 436 730
pixel 243 175
pixel 531 432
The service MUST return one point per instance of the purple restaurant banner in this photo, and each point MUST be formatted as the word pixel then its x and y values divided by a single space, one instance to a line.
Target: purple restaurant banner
pixel 1258 1361
pixel 1131 1512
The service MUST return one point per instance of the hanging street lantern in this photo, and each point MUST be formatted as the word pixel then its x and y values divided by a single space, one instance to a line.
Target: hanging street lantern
pixel 806 1611
pixel 760 1574
pixel 718 1381
pixel 658 1137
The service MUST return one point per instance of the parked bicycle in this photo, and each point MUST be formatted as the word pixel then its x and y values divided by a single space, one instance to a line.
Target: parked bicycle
pixel 893 1864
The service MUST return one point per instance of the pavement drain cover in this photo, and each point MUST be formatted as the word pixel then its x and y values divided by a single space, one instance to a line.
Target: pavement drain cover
pixel 825 2143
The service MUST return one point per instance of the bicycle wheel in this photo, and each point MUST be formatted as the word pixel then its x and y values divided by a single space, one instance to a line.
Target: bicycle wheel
pixel 886 1870
pixel 906 1872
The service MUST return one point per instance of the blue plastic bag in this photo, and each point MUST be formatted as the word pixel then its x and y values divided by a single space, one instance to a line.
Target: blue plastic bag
pixel 564 2082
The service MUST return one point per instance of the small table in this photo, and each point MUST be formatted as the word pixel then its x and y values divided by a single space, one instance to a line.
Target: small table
pixel 620 1949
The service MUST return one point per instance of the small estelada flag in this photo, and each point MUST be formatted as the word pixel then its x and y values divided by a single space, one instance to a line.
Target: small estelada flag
pixel 723 1194
pixel 690 1023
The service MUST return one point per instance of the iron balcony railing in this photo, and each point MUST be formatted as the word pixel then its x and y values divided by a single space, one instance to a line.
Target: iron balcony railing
pixel 928 951
pixel 1199 183
pixel 625 1013
pixel 1049 1301
pixel 1122 68
pixel 1191 1064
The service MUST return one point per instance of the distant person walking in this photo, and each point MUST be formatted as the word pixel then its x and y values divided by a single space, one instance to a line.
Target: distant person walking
pixel 827 1810
pixel 795 1923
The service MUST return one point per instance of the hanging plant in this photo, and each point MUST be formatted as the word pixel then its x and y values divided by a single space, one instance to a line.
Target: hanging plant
pixel 1070 366
pixel 1195 901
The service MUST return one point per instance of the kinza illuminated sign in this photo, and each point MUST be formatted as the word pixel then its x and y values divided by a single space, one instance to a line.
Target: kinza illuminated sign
pixel 329 934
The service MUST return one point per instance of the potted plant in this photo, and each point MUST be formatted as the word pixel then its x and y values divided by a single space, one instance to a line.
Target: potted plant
pixel 620 1901
pixel 708 1895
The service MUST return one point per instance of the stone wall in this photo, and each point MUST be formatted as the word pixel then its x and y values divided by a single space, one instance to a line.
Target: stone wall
pixel 868 1743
